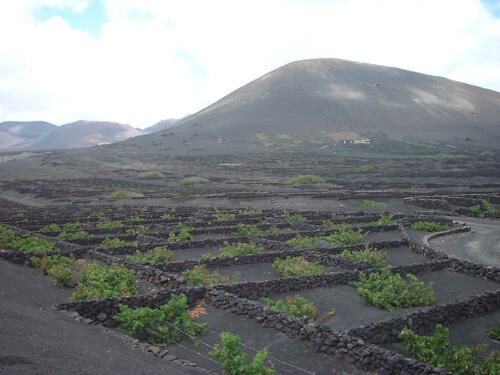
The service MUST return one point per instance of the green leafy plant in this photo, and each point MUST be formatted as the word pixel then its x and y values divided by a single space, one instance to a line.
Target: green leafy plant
pixel 124 195
pixel 224 216
pixel 250 211
pixel 376 258
pixel 109 225
pixel 145 321
pixel 429 226
pixel 296 306
pixel 337 216
pixel 308 179
pixel 494 333
pixel 233 359
pixel 50 228
pixel 240 248
pixel 303 242
pixel 140 229
pixel 390 291
pixel 297 218
pixel 26 243
pixel 297 266
pixel 252 230
pixel 370 204
pixel 60 274
pixel 182 235
pixel 331 225
pixel 437 351
pixel 384 220
pixel 56 266
pixel 489 208
pixel 74 235
pixel 476 210
pixel 168 217
pixel 193 180
pixel 95 282
pixel 72 227
pixel 115 242
pixel 345 236
pixel 159 254
pixel 134 219
pixel 199 275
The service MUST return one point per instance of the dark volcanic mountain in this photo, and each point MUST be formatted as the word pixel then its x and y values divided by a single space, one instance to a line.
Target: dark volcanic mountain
pixel 159 126
pixel 84 134
pixel 337 100
pixel 19 134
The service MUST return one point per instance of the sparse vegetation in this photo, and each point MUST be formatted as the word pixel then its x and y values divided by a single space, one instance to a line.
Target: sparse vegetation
pixel 371 204
pixel 484 207
pixel 50 228
pixel 252 230
pixel 303 242
pixel 305 180
pixel 337 216
pixel 193 180
pixel 182 235
pixel 56 266
pixel 345 236
pixel 159 254
pixel 249 212
pixel 140 229
pixel 232 358
pixel 240 248
pixel 390 291
pixel 429 226
pixel 297 266
pixel 224 216
pixel 296 218
pixel 295 306
pixel 109 225
pixel 365 169
pixel 384 220
pixel 436 350
pixel 151 322
pixel 95 282
pixel 26 243
pixel 124 195
pixel 199 275
pixel 376 258
pixel 494 333
pixel 115 242
pixel 74 235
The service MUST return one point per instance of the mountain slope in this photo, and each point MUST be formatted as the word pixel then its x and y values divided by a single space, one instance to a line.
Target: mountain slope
pixel 84 134
pixel 19 134
pixel 159 126
pixel 340 99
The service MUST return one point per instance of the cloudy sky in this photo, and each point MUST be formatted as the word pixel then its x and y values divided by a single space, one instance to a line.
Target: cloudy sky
pixel 138 62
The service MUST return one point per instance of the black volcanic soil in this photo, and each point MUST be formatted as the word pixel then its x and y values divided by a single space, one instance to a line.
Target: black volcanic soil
pixel 36 339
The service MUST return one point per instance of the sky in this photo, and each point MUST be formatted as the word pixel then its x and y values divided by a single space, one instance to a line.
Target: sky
pixel 138 62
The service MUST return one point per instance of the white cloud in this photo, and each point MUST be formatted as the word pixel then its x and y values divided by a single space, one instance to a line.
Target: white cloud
pixel 174 58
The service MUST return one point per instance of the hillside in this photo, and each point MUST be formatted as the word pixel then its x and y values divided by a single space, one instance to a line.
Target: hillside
pixel 330 100
pixel 159 126
pixel 19 134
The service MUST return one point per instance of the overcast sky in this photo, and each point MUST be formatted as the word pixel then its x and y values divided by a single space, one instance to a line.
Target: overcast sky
pixel 140 61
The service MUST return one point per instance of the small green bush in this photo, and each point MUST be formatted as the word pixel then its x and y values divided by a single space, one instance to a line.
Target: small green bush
pixel 232 358
pixel 183 234
pixel 252 230
pixel 240 248
pixel 50 228
pixel 376 258
pixel 295 306
pixel 134 219
pixel 199 275
pixel 297 218
pixel 250 211
pixel 72 227
pixel 151 322
pixel 60 274
pixel 494 333
pixel 384 220
pixel 159 254
pixel 297 266
pixel 140 229
pixel 345 236
pixel 437 351
pixel 109 225
pixel 96 282
pixel 124 195
pixel 429 226
pixel 25 244
pixel 370 204
pixel 46 262
pixel 193 180
pixel 476 210
pixel 392 292
pixel 115 242
pixel 303 242
pixel 305 180
pixel 365 169
pixel 74 235
pixel 337 216
pixel 224 216
pixel 489 208
pixel 168 217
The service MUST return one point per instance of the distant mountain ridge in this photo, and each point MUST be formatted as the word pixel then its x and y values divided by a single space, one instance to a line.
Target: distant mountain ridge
pixel 161 125
pixel 19 134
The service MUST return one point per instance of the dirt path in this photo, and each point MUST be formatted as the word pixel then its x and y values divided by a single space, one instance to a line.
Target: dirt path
pixel 481 245
pixel 36 339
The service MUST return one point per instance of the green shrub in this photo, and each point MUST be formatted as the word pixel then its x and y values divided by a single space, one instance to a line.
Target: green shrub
pixel 115 242
pixel 252 230
pixel 47 262
pixel 51 228
pixel 26 243
pixel 476 210
pixel 224 216
pixel 199 275
pixel 305 180
pixel 60 274
pixel 437 351
pixel 489 208
pixel 240 248
pixel 370 204
pixel 384 220
pixel 74 235
pixel 183 234
pixel 331 225
pixel 297 266
pixel 297 218
pixel 376 258
pixel 193 180
pixel 494 333
pixel 250 211
pixel 109 225
pixel 392 292
pixel 134 219
pixel 159 254
pixel 429 226
pixel 124 195
pixel 303 242
pixel 72 227
pixel 296 306
pixel 365 169
pixel 345 236
pixel 96 282
pixel 232 358
pixel 337 216
pixel 168 217
pixel 151 322
pixel 140 229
